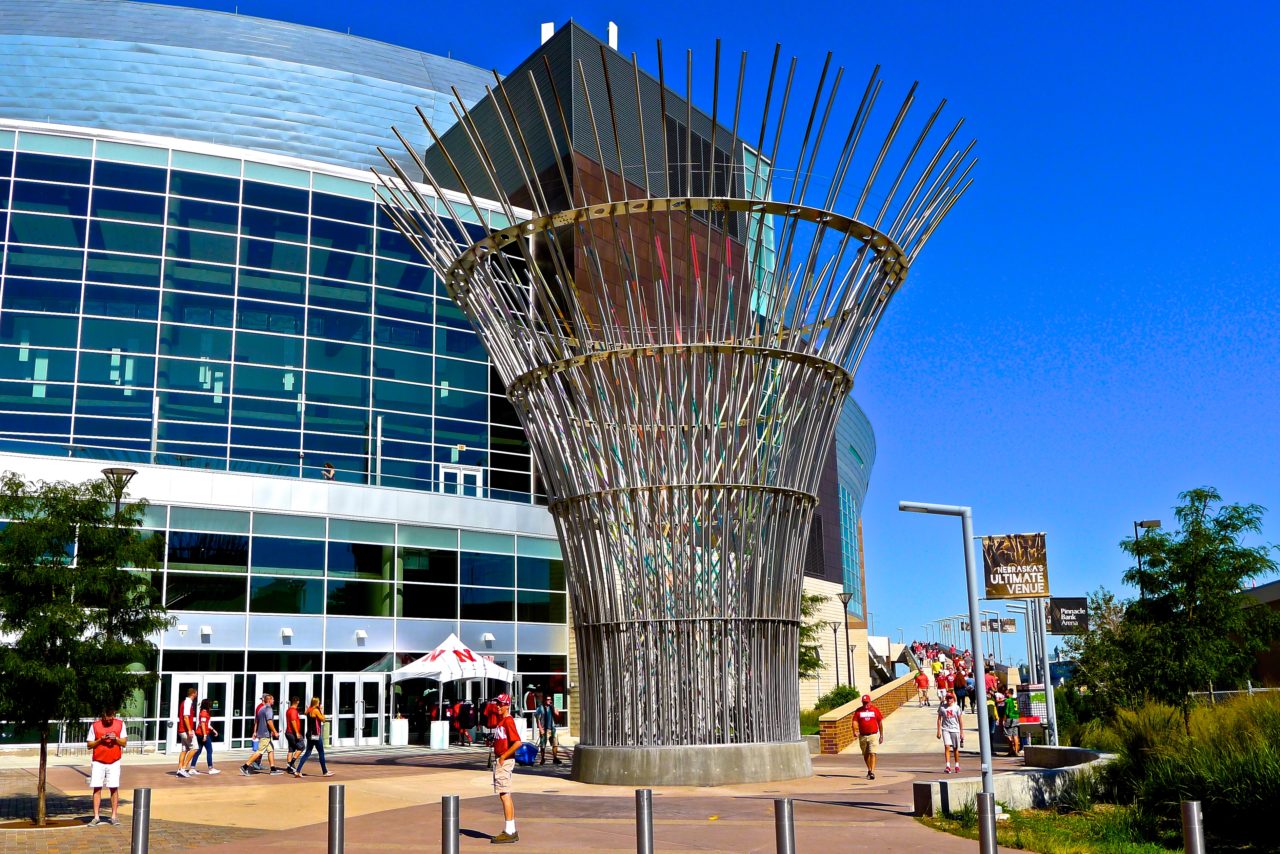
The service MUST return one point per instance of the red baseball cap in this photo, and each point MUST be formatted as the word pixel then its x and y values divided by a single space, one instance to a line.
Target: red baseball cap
pixel 866 698
pixel 503 699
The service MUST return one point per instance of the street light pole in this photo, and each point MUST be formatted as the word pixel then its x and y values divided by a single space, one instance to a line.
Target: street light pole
pixel 979 666
pixel 845 596
pixel 835 642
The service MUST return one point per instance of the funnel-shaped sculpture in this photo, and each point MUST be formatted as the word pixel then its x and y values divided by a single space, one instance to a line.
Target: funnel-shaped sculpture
pixel 678 333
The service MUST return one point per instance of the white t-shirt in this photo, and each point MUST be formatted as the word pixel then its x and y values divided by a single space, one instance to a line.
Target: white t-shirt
pixel 950 717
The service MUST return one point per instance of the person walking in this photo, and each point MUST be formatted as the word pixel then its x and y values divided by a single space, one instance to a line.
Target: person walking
pixel 961 687
pixel 293 734
pixel 506 740
pixel 315 739
pixel 971 687
pixel 107 740
pixel 1011 717
pixel 870 722
pixel 264 730
pixel 922 689
pixel 951 731
pixel 546 718
pixel 204 738
pixel 186 734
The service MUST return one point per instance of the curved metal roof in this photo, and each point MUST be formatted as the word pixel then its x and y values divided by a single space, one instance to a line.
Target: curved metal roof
pixel 216 77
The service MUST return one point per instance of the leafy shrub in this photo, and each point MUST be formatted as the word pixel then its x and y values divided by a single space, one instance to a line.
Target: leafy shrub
pixel 1079 793
pixel 837 697
pixel 967 815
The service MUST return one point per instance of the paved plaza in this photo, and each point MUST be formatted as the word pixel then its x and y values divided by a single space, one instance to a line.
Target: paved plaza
pixel 393 797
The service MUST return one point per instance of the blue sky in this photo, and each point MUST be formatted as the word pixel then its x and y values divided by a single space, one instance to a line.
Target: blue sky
pixel 1094 329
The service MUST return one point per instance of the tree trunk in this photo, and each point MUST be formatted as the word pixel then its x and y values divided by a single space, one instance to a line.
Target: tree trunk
pixel 42 777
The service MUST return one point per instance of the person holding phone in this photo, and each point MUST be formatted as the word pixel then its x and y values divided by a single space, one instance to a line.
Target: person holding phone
pixel 107 741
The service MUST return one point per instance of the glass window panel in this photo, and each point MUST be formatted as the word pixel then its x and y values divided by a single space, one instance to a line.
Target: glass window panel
pixel 273 255
pixel 481 603
pixel 451 403
pixel 117 204
pixel 428 601
pixel 191 456
pixel 55 144
pixel 436 566
pixel 46 230
pixel 180 307
pixel 401 365
pixel 210 434
pixel 194 407
pixel 509 486
pixel 272 286
pixel 57 426
pixel 338 357
pixel 415 308
pixel 24 363
pixel 534 606
pixel 200 246
pixel 455 342
pixel 264 438
pixel 486 542
pixel 277 174
pixel 41 295
pixel 203 519
pixel 452 433
pixel 199 186
pixel 281 463
pixel 345 296
pixel 540 573
pixel 283 525
pixel 125 237
pixel 208 552
pixel 120 369
pixel 205 278
pixel 262 195
pixel 434 538
pixel 130 177
pixel 204 215
pixel 50 198
pixel 49 167
pixel 509 439
pixel 359 599
pixel 33 396
pixel 486 569
pixel 123 270
pixel 193 342
pixel 284 415
pixel 332 388
pixel 341 265
pixel 329 234
pixel 288 556
pixel 455 374
pixel 448 314
pixel 268 349
pixel 342 186
pixel 393 395
pixel 204 592
pixel 360 560
pixel 285 383
pixel 406 336
pixel 393 244
pixel 397 425
pixel 404 277
pixel 191 375
pixel 338 207
pixel 501 411
pixel 273 225
pixel 542 663
pixel 127 336
pixel 339 326
pixel 206 163
pixel 270 317
pixel 286 596
pixel 369 532
pixel 408 474
pixel 44 263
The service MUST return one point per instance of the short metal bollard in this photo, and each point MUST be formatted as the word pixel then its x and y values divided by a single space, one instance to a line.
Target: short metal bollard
pixel 140 838
pixel 986 822
pixel 450 831
pixel 644 821
pixel 1192 828
pixel 784 825
pixel 337 818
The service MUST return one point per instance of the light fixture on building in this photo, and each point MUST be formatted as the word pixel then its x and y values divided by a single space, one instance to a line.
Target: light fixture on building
pixel 182 629
pixel 286 636
pixel 488 639
pixel 206 633
pixel 361 637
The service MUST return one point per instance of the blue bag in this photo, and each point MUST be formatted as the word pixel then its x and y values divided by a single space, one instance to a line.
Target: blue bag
pixel 526 754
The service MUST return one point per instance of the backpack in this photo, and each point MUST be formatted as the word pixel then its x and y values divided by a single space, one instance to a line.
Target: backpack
pixel 491 715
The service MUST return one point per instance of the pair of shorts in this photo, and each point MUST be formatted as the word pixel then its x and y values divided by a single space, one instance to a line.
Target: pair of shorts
pixel 869 743
pixel 295 742
pixel 104 775
pixel 265 745
pixel 184 738
pixel 502 769
pixel 951 739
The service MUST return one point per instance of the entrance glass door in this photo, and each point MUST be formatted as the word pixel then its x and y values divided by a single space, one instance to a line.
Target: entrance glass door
pixel 460 480
pixel 214 687
pixel 284 687
pixel 357 705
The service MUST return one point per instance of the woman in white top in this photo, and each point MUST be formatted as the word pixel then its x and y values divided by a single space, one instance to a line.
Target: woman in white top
pixel 951 731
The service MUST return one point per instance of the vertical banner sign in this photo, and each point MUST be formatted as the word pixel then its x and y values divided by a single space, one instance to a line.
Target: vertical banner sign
pixel 1016 566
pixel 1068 615
pixel 1008 626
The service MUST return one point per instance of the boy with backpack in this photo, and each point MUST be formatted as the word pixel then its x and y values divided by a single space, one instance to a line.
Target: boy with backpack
pixel 506 741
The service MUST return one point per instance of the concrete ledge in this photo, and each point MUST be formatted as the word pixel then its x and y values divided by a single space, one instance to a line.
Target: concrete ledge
pixel 1045 756
pixel 691 765
pixel 1029 788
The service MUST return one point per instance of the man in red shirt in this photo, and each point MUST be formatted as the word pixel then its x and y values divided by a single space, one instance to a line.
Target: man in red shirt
pixel 991 682
pixel 293 734
pixel 922 685
pixel 107 741
pixel 506 740
pixel 186 734
pixel 870 723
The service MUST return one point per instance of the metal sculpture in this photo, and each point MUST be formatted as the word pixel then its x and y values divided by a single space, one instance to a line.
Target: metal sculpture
pixel 679 377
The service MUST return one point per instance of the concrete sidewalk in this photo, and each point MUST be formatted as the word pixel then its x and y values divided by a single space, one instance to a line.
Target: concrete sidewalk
pixel 914 730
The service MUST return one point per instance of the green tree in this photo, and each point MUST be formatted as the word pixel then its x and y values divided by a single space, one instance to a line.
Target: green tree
pixel 811 628
pixel 74 621
pixel 1112 667
pixel 1196 628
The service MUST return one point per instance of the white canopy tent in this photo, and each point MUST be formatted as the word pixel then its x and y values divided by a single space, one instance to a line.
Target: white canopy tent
pixel 451 661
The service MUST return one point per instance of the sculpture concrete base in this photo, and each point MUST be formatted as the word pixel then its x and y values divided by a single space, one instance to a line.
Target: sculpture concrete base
pixel 697 765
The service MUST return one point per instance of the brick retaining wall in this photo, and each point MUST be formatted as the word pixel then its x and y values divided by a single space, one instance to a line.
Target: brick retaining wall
pixel 836 729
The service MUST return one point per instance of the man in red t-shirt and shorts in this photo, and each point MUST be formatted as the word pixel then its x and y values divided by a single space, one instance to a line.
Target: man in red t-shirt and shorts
pixel 870 723
pixel 107 741
pixel 922 685
pixel 506 740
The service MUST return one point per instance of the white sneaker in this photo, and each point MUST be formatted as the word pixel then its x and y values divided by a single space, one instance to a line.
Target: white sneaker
pixel 191 772
pixel 213 771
